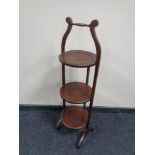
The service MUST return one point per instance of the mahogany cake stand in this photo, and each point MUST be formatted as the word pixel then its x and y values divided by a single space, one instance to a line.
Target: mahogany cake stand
pixel 77 117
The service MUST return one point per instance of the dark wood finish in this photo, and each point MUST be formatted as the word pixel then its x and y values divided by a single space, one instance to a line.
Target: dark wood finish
pixel 76 92
pixel 93 24
pixel 81 24
pixel 63 82
pixel 74 117
pixel 63 74
pixel 87 77
pixel 79 92
pixel 87 80
pixel 84 134
pixel 64 103
pixel 69 21
pixel 78 58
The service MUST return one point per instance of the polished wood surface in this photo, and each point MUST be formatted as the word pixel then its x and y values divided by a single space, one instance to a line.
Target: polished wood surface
pixel 76 92
pixel 78 58
pixel 74 117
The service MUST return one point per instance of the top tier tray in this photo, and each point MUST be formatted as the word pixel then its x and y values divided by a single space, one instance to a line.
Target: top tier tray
pixel 78 58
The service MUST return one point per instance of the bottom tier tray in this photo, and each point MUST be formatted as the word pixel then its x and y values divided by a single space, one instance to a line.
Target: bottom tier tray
pixel 74 117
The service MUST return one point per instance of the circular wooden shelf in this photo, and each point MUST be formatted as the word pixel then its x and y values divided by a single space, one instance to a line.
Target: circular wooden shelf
pixel 78 58
pixel 76 92
pixel 74 117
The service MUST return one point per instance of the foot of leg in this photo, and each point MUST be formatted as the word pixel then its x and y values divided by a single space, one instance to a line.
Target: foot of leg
pixel 58 124
pixel 84 134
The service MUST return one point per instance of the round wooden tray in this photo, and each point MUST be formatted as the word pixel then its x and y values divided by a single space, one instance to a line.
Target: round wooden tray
pixel 76 92
pixel 74 117
pixel 78 58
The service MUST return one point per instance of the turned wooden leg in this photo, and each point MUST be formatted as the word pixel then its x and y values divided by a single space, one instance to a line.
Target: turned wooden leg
pixel 84 134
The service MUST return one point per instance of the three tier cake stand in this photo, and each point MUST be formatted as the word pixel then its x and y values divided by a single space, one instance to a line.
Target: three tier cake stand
pixel 77 117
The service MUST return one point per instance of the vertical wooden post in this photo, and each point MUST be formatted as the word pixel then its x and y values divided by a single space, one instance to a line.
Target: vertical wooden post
pixel 87 80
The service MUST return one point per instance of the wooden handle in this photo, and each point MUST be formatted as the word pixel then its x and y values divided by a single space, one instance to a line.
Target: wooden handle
pixel 93 23
pixel 80 24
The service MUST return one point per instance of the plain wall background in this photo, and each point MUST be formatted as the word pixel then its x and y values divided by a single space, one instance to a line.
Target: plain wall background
pixel 42 25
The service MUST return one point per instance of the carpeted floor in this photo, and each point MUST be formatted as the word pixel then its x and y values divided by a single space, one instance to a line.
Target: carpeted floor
pixel 114 134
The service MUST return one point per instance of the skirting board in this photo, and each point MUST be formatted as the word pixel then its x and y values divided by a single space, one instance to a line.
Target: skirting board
pixel 94 109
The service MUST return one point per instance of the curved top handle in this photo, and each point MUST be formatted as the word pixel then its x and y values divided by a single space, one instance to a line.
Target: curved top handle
pixel 92 26
pixel 93 23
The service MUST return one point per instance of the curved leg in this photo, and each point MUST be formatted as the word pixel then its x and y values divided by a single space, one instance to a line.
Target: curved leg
pixel 58 124
pixel 84 134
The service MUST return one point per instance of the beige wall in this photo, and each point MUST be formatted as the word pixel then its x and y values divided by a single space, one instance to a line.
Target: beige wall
pixel 42 25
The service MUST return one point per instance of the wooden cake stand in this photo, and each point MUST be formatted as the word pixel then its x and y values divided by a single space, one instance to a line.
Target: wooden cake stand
pixel 76 117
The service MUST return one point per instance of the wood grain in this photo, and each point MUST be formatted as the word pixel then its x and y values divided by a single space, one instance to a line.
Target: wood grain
pixel 74 117
pixel 78 58
pixel 76 92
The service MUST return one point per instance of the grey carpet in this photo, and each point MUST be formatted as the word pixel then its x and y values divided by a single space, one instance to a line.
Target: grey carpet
pixel 114 134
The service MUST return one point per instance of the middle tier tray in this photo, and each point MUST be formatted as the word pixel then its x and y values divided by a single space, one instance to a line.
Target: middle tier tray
pixel 76 92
